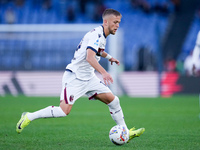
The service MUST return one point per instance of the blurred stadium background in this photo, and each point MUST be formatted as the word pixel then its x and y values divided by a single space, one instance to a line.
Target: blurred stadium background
pixel 154 44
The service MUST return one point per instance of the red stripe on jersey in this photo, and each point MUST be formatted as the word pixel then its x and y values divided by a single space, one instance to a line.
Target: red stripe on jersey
pixel 65 96
pixel 92 96
pixel 100 51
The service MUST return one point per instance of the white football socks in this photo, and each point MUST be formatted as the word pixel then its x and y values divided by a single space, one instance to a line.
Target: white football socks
pixel 116 112
pixel 48 112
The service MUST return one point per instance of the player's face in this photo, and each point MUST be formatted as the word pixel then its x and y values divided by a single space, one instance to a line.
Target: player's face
pixel 113 23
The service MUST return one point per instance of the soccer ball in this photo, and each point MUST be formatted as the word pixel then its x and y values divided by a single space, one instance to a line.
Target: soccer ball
pixel 119 135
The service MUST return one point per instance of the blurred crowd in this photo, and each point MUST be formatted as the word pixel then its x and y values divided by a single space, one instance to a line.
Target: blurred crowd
pixel 89 11
pixel 64 10
pixel 160 7
pixel 11 11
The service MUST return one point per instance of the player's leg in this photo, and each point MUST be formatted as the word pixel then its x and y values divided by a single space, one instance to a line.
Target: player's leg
pixel 72 89
pixel 103 93
pixel 117 114
pixel 50 111
pixel 98 90
pixel 114 107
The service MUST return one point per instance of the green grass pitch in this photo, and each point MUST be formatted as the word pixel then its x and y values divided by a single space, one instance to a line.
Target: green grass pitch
pixel 171 124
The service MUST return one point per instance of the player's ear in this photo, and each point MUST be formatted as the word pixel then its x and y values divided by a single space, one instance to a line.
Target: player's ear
pixel 105 22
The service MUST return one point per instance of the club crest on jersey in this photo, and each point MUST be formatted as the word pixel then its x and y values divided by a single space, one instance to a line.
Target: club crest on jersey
pixel 71 98
pixel 99 35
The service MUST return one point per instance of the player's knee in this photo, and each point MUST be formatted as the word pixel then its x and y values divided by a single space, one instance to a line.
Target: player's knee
pixel 66 108
pixel 66 111
pixel 105 97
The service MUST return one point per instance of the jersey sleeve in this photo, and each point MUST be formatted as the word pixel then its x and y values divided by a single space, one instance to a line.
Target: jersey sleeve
pixel 94 41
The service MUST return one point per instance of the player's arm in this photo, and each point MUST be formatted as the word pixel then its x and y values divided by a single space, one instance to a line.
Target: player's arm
pixel 110 58
pixel 95 64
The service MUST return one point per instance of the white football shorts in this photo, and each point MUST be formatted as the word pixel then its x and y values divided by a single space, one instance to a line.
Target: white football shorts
pixel 73 88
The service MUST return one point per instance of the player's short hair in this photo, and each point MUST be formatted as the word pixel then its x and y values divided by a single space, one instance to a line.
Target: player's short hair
pixel 111 11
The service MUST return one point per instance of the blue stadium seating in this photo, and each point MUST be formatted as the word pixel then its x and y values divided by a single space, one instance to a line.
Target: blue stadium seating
pixel 140 29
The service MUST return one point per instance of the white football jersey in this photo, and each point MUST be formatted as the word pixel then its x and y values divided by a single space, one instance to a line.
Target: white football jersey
pixel 196 52
pixel 95 40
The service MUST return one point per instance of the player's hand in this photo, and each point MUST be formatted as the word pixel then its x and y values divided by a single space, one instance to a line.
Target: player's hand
pixel 107 78
pixel 114 60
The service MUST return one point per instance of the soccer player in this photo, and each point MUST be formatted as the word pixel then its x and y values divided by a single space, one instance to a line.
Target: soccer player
pixel 196 57
pixel 79 78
